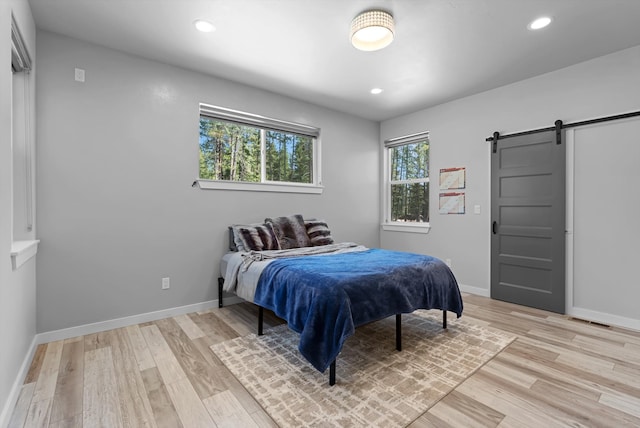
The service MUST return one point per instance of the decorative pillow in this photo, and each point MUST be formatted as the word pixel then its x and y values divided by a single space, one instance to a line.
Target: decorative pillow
pixel 232 242
pixel 318 232
pixel 290 231
pixel 254 237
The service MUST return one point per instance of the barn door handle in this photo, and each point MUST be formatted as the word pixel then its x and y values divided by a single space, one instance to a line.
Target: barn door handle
pixel 494 227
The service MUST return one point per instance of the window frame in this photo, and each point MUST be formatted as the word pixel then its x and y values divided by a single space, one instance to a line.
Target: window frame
pixel 263 124
pixel 397 226
pixel 24 246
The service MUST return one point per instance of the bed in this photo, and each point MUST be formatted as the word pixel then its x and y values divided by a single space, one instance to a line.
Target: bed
pixel 324 292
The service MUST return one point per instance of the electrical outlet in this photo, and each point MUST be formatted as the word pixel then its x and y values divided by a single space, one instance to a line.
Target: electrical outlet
pixel 79 75
pixel 166 283
pixel 448 262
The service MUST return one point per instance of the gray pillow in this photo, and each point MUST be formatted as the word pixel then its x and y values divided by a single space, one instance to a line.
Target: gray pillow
pixel 290 231
pixel 232 241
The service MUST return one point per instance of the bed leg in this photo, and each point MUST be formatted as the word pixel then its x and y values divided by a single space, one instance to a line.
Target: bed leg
pixel 332 373
pixel 220 284
pixel 444 319
pixel 399 332
pixel 260 319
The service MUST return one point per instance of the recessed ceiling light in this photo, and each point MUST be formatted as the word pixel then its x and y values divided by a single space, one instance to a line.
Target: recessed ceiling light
pixel 376 91
pixel 204 26
pixel 539 23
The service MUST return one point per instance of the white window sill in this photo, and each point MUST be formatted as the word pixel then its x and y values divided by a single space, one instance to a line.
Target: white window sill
pixel 406 227
pixel 22 251
pixel 259 187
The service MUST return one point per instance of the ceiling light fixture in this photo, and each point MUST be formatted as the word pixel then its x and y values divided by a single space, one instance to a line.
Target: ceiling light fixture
pixel 539 23
pixel 204 26
pixel 372 30
pixel 376 91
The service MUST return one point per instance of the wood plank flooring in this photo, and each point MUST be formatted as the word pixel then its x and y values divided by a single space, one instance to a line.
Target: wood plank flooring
pixel 557 373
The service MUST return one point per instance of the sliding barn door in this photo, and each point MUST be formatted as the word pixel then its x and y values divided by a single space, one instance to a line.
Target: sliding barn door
pixel 528 221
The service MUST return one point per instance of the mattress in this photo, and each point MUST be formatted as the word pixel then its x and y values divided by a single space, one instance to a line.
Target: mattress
pixel 224 262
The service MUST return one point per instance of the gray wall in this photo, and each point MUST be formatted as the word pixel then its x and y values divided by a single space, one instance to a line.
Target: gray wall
pixel 607 202
pixel 17 287
pixel 117 156
pixel 604 86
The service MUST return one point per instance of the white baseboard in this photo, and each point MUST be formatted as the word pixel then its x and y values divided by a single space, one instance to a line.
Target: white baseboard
pixel 485 292
pixel 585 314
pixel 67 333
pixel 12 399
pixel 604 318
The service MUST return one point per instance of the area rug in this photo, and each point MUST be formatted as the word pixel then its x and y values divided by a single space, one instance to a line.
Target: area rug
pixel 375 384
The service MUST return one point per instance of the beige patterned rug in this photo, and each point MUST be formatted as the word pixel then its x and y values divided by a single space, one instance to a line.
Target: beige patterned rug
pixel 375 384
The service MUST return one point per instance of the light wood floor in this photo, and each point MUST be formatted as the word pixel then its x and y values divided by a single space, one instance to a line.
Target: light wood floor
pixel 558 372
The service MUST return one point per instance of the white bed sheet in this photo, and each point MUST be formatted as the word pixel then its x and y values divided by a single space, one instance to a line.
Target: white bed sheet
pixel 239 281
pixel 224 262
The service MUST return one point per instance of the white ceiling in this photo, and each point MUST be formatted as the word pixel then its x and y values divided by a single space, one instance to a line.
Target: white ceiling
pixel 443 50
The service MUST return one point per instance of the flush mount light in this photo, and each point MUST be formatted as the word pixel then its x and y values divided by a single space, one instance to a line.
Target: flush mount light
pixel 376 91
pixel 204 26
pixel 372 30
pixel 539 23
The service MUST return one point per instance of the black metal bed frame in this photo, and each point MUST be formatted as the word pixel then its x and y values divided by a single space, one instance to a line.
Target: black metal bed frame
pixel 332 366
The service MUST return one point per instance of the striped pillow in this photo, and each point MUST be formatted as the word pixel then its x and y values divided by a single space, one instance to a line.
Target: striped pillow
pixel 254 237
pixel 318 232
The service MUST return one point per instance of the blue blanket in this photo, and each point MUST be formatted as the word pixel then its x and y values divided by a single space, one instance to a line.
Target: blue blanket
pixel 324 298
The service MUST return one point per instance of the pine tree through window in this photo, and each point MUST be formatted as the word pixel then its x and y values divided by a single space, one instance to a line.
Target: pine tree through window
pixel 408 179
pixel 254 149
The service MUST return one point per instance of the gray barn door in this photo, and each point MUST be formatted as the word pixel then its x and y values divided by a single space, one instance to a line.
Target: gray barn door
pixel 528 214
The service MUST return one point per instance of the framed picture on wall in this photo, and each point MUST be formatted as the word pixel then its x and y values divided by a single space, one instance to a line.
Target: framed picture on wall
pixel 451 203
pixel 452 178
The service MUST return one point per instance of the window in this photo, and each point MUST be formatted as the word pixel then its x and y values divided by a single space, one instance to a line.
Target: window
pixel 23 242
pixel 243 151
pixel 407 183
